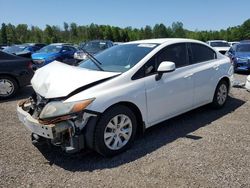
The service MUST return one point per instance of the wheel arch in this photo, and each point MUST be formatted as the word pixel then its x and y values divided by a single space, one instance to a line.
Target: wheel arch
pixel 140 122
pixel 90 128
pixel 227 80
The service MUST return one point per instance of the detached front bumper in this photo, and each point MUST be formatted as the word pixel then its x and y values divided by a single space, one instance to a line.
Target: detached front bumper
pixel 50 131
pixel 70 134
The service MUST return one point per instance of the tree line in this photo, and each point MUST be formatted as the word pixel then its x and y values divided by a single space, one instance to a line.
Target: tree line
pixel 73 33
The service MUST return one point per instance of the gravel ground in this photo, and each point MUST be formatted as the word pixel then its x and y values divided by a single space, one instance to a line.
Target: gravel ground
pixel 202 148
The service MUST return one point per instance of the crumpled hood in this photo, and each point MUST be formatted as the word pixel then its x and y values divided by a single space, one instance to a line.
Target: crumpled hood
pixel 58 80
pixel 43 55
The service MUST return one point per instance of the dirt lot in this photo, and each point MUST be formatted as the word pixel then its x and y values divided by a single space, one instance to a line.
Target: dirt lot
pixel 202 148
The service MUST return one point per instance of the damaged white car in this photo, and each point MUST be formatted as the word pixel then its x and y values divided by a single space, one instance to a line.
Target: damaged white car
pixel 107 99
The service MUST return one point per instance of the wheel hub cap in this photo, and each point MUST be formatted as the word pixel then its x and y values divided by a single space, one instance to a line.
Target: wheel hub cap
pixel 118 132
pixel 6 87
pixel 222 94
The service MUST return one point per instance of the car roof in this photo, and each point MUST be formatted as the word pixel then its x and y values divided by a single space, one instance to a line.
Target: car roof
pixel 245 41
pixel 164 40
pixel 217 41
pixel 60 44
pixel 98 41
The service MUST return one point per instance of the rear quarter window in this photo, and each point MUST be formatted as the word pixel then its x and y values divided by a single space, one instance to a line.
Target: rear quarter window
pixel 201 53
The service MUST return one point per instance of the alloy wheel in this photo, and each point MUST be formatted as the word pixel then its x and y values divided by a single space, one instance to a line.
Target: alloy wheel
pixel 222 94
pixel 6 87
pixel 118 132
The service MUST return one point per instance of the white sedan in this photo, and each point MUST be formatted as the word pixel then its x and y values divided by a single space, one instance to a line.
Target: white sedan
pixel 221 46
pixel 106 100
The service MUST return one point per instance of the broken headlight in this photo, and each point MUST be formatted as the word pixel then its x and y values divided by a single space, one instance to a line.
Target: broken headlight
pixel 59 108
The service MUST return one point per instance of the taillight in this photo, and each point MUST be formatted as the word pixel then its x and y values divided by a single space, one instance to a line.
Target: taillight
pixel 30 65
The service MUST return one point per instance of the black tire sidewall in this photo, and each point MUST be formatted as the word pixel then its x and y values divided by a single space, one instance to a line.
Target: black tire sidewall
pixel 215 100
pixel 13 81
pixel 99 144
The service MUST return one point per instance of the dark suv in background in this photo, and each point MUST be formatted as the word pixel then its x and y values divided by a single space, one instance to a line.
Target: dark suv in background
pixel 93 47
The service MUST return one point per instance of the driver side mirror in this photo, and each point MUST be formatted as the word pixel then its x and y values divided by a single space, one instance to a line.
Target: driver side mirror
pixel 164 67
pixel 63 51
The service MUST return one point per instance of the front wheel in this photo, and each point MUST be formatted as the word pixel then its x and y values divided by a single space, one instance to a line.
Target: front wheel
pixel 221 94
pixel 115 131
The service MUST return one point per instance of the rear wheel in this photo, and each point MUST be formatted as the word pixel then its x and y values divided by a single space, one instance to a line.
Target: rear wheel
pixel 115 131
pixel 221 94
pixel 8 87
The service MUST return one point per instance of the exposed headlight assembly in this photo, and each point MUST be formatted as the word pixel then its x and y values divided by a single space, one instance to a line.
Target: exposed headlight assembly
pixel 59 108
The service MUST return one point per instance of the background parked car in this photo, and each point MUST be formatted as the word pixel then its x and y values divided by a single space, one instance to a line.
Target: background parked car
pixel 3 46
pixel 24 50
pixel 221 46
pixel 15 72
pixel 57 51
pixel 93 47
pixel 240 56
pixel 233 43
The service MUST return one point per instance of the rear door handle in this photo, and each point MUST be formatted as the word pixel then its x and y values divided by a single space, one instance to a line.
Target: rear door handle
pixel 216 67
pixel 189 75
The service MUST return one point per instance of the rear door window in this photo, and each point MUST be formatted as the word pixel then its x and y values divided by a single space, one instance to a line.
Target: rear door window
pixel 201 53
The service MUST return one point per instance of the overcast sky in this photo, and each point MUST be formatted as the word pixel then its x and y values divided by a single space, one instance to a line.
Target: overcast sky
pixel 194 14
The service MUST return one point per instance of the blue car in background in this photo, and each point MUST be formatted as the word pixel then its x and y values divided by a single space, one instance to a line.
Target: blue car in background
pixel 240 56
pixel 57 51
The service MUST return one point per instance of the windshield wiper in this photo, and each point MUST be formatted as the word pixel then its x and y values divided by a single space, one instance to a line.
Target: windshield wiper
pixel 93 59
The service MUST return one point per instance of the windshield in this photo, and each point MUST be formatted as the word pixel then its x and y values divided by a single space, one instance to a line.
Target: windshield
pixel 95 46
pixel 243 48
pixel 119 58
pixel 14 49
pixel 50 49
pixel 219 44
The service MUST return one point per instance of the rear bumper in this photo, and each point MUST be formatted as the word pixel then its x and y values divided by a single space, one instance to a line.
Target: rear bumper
pixel 242 66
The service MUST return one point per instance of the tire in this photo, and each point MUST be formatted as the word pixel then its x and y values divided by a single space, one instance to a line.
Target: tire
pixel 220 95
pixel 8 87
pixel 111 136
